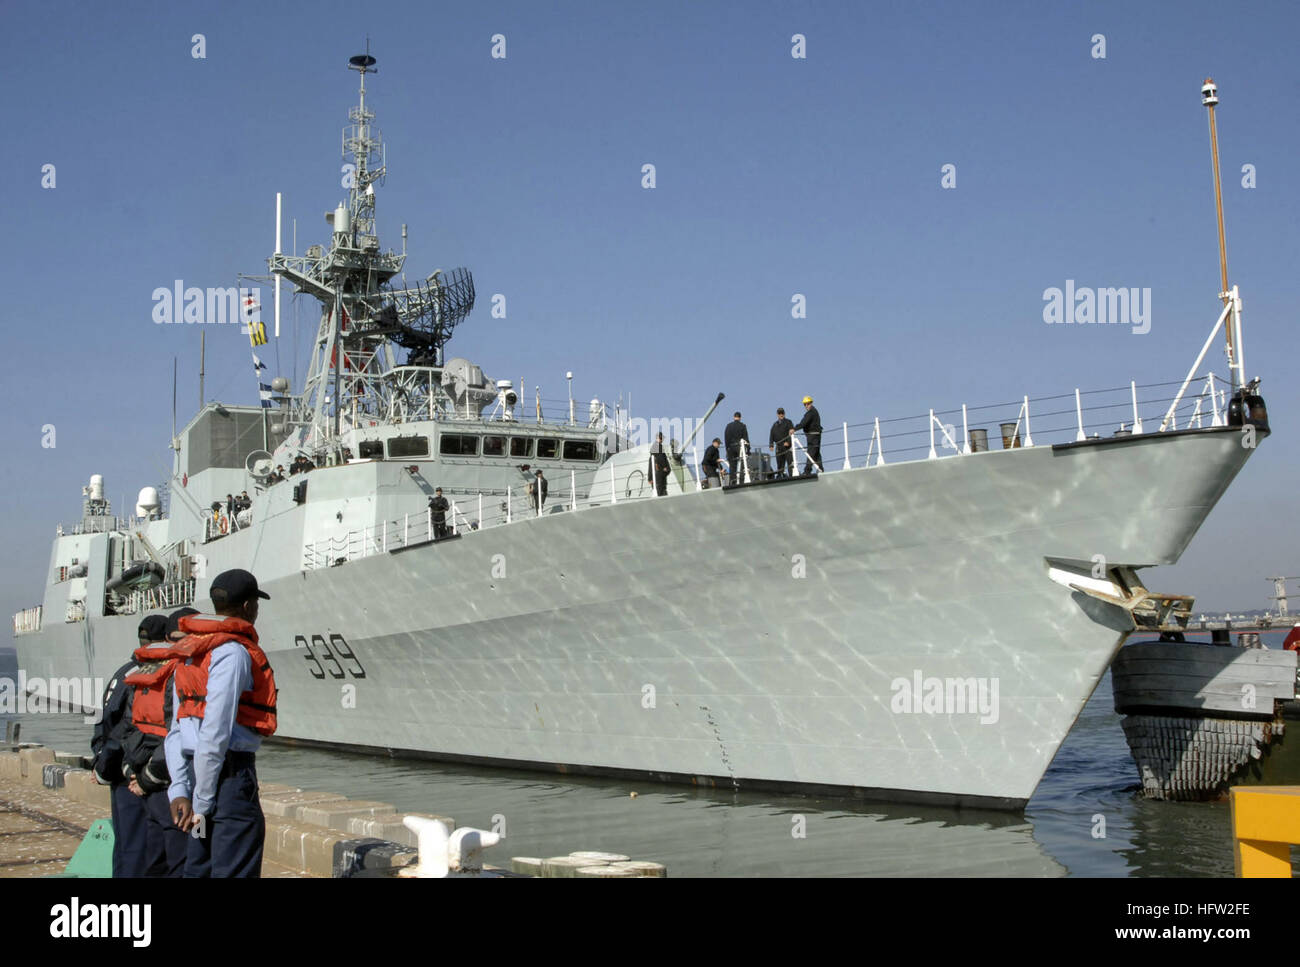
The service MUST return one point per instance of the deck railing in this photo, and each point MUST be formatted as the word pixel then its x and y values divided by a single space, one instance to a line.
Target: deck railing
pixel 95 525
pixel 466 513
pixel 27 621
pixel 1138 408
pixel 218 525
pixel 165 597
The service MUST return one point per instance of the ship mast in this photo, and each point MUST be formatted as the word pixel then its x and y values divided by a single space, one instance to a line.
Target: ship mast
pixel 354 372
pixel 1245 397
pixel 1210 98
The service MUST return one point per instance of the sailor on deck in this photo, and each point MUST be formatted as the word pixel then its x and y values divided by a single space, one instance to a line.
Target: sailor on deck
pixel 779 441
pixel 537 492
pixel 709 465
pixel 735 434
pixel 811 424
pixel 438 506
pixel 660 467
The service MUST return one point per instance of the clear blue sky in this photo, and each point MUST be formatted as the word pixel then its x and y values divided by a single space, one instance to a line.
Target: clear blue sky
pixel 775 176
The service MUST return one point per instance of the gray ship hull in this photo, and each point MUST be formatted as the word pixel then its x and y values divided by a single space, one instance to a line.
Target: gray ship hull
pixel 762 636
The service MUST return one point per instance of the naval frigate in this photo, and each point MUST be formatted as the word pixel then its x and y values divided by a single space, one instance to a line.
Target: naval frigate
pixel 892 644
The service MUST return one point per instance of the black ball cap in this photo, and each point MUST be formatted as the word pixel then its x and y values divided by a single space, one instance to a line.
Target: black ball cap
pixel 174 619
pixel 230 588
pixel 153 627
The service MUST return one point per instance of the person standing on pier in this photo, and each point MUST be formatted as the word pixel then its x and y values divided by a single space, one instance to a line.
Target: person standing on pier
pixel 225 705
pixel 130 820
pixel 146 762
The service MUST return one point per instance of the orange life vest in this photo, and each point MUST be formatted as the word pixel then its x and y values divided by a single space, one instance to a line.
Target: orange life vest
pixel 151 678
pixel 194 655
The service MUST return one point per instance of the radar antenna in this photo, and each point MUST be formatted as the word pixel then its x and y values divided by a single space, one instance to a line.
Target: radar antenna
pixel 421 317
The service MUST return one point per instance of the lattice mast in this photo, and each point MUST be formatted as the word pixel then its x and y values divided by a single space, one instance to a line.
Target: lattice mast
pixel 363 319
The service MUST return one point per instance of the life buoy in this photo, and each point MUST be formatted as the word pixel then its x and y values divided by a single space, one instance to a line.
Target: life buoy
pixel 225 525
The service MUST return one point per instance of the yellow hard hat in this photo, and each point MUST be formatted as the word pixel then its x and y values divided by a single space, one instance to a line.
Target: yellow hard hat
pixel 807 399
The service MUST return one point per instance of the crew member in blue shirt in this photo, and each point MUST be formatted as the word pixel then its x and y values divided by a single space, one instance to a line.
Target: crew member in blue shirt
pixel 224 705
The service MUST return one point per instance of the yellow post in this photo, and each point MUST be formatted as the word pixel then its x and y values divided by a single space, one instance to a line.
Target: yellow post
pixel 1265 824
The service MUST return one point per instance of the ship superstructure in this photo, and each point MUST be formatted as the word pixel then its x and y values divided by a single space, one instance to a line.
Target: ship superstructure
pixel 854 630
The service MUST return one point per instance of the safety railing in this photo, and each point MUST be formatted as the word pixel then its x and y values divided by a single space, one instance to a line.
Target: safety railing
pixel 533 411
pixel 94 525
pixel 468 512
pixel 219 524
pixel 27 621
pixel 1134 409
pixel 162 598
pixel 936 434
pixel 563 412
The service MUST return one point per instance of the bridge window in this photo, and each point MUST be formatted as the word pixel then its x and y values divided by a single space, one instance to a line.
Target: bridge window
pixel 548 449
pixel 408 446
pixel 458 445
pixel 370 449
pixel 521 446
pixel 494 446
pixel 579 449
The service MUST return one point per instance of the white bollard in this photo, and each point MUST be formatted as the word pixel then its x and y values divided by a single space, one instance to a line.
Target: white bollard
pixel 465 851
pixel 432 840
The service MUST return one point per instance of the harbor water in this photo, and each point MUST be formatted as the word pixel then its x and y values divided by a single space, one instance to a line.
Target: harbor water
pixel 1086 818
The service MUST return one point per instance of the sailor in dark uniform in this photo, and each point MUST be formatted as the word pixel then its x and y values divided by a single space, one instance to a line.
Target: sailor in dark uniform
pixel 537 491
pixel 146 761
pixel 439 506
pixel 709 465
pixel 811 424
pixel 734 434
pixel 659 462
pixel 778 440
pixel 130 820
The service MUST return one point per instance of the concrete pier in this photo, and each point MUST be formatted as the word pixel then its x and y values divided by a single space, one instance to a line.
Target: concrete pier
pixel 48 802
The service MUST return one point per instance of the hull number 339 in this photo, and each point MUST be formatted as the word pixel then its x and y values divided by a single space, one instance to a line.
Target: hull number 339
pixel 333 658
